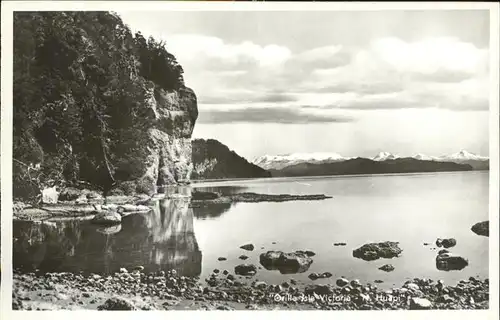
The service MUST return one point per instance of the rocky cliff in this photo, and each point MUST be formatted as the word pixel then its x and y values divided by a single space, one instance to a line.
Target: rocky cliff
pixel 97 105
pixel 167 145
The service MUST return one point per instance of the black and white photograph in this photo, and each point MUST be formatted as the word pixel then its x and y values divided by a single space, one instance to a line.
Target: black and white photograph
pixel 327 159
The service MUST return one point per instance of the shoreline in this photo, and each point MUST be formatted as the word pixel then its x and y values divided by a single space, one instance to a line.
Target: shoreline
pixel 224 291
pixel 197 183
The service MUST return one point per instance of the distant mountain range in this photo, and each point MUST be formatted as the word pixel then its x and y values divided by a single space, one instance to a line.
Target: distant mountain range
pixel 291 161
pixel 214 160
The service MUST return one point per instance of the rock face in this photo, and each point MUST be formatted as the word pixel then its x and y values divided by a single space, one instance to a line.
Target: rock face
pixel 482 228
pixel 167 148
pixel 295 262
pixel 448 262
pixel 374 251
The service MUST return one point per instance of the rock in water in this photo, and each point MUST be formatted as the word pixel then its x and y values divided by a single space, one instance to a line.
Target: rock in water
pixel 448 243
pixel 50 195
pixel 248 247
pixel 107 218
pixel 374 251
pixel 294 262
pixel 482 228
pixel 245 269
pixel 447 262
pixel 243 257
pixel 117 304
pixel 439 242
pixel 420 304
pixel 387 268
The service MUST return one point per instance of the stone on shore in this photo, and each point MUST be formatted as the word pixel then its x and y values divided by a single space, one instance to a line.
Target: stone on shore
pixel 420 304
pixel 107 218
pixel 294 262
pixel 482 228
pixel 318 289
pixel 448 261
pixel 342 282
pixel 374 251
pixel 117 304
pixel 245 269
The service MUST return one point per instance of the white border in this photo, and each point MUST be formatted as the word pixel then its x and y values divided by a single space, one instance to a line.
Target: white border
pixel 6 146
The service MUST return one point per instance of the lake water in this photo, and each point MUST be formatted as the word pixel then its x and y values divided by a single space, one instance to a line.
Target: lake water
pixel 410 209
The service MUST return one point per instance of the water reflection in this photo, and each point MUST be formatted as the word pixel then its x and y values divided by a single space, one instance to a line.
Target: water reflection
pixel 209 210
pixel 163 238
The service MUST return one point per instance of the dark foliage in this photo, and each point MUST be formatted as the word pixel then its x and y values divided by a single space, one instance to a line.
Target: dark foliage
pixel 79 87
pixel 225 163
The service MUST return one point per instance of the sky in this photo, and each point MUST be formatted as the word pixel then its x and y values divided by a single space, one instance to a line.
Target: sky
pixel 353 83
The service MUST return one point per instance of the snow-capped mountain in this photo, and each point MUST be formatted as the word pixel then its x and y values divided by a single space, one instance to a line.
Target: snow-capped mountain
pixel 463 155
pixel 383 156
pixel 420 156
pixel 278 162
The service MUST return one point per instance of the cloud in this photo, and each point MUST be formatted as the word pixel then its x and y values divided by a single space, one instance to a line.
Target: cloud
pixel 387 74
pixel 249 97
pixel 269 115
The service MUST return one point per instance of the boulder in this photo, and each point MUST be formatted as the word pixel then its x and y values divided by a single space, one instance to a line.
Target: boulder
pixel 107 218
pixel 443 251
pixel 221 258
pixel 387 268
pixel 248 247
pixel 374 251
pixel 295 262
pixel 243 257
pixel 448 262
pixel 420 304
pixel 339 244
pixel 245 269
pixel 482 228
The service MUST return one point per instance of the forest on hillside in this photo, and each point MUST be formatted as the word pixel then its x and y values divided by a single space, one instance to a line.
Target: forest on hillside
pixel 80 80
